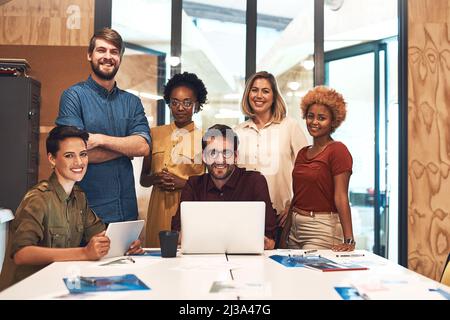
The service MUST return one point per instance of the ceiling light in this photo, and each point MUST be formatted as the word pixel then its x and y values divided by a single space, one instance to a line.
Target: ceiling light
pixel 150 96
pixel 308 64
pixel 293 85
pixel 145 94
pixel 173 60
pixel 334 4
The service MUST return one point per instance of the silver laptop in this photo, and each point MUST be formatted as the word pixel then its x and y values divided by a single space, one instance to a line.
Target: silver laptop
pixel 222 227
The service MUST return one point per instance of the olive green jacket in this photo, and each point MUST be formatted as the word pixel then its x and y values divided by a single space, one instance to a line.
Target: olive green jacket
pixel 48 217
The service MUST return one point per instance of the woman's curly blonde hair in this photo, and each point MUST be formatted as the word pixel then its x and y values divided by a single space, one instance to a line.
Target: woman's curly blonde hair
pixel 328 97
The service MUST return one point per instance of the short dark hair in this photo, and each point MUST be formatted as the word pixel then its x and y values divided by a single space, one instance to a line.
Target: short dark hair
pixel 220 130
pixel 110 35
pixel 61 133
pixel 191 81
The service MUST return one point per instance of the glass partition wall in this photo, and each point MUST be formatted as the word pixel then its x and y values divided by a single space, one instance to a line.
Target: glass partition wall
pixel 145 27
pixel 360 50
pixel 285 47
pixel 359 37
pixel 213 47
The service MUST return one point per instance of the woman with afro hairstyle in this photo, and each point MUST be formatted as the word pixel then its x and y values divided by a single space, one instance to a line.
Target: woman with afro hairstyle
pixel 320 214
pixel 269 140
pixel 176 153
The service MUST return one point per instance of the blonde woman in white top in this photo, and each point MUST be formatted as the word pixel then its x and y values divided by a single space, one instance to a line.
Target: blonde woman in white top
pixel 269 141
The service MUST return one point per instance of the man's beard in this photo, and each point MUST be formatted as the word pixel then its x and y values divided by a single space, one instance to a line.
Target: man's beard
pixel 228 172
pixel 103 75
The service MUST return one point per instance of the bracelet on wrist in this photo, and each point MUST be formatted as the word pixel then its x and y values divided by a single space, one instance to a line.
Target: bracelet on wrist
pixel 349 241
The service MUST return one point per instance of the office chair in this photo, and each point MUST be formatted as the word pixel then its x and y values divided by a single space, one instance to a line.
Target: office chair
pixel 445 278
pixel 282 234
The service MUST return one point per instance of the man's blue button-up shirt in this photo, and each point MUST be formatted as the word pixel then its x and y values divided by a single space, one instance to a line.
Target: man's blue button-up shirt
pixel 109 186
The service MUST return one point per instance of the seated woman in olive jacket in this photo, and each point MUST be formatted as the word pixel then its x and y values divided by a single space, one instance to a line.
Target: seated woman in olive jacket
pixel 53 219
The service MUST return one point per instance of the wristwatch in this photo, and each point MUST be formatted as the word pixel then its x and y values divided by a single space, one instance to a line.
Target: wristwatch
pixel 350 241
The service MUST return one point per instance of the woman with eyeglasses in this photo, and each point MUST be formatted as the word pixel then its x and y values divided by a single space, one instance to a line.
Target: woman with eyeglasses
pixel 176 153
pixel 269 139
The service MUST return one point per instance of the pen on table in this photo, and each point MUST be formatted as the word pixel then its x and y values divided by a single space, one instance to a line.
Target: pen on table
pixel 88 280
pixel 350 255
pixel 310 251
pixel 297 256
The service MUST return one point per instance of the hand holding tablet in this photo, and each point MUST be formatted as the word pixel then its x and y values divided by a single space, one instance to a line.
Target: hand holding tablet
pixel 124 236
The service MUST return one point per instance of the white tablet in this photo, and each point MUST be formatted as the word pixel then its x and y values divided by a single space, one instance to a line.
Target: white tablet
pixel 122 234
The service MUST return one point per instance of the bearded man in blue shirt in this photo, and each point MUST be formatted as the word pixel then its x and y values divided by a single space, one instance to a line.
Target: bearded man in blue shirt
pixel 118 130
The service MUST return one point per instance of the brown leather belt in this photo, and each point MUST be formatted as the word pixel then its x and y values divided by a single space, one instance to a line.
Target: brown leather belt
pixel 310 213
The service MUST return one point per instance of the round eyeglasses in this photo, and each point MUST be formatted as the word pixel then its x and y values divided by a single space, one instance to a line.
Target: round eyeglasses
pixel 186 104
pixel 214 153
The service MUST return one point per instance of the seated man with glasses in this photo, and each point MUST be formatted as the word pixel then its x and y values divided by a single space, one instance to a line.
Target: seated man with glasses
pixel 225 181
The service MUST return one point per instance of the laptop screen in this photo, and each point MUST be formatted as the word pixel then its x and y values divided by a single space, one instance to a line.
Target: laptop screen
pixel 222 227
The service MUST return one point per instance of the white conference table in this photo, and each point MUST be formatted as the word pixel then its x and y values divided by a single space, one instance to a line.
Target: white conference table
pixel 190 277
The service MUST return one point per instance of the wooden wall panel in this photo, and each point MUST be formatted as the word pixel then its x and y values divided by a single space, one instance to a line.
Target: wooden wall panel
pixel 139 72
pixel 47 22
pixel 428 11
pixel 57 68
pixel 429 135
